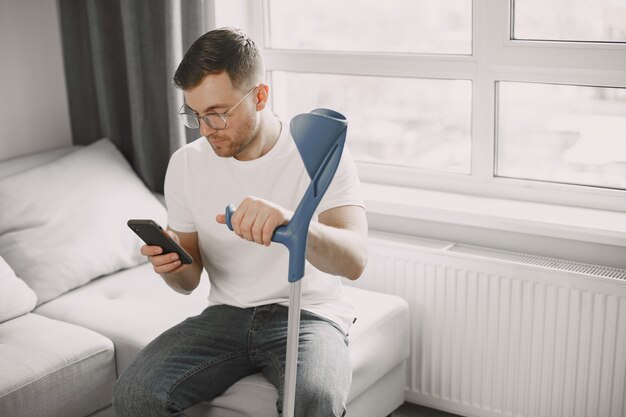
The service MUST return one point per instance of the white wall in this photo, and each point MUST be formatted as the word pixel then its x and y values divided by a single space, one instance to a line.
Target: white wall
pixel 34 113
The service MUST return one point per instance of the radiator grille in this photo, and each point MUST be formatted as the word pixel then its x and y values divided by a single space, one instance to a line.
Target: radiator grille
pixel 541 261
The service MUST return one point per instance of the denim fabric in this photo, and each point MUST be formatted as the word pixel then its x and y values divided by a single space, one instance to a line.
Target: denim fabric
pixel 201 357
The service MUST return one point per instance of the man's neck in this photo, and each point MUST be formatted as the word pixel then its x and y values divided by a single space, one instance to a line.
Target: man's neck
pixel 269 131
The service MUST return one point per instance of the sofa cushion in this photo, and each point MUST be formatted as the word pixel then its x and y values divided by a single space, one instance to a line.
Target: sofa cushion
pixel 16 298
pixel 23 163
pixel 132 307
pixel 379 340
pixel 64 223
pixel 50 368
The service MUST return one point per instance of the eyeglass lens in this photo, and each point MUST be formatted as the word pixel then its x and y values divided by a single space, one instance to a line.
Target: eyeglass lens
pixel 213 120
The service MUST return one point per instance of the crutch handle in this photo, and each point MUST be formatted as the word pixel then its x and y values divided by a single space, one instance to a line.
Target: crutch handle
pixel 230 210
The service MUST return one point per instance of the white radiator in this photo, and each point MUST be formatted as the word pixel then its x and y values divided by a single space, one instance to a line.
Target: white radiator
pixel 497 333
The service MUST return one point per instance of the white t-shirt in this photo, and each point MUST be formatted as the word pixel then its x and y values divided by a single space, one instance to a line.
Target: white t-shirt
pixel 199 185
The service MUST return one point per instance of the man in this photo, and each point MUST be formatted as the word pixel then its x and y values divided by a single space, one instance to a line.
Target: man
pixel 247 156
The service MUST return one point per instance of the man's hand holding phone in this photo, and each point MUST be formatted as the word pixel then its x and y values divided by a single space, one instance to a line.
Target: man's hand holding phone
pixel 164 263
pixel 162 247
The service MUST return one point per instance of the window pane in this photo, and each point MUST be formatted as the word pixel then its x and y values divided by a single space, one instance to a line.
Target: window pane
pixel 570 20
pixel 427 26
pixel 562 133
pixel 422 123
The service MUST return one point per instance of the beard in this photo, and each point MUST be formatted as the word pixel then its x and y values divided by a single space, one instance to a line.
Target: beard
pixel 227 146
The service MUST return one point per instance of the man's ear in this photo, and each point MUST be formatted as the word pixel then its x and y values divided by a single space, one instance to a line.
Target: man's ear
pixel 262 94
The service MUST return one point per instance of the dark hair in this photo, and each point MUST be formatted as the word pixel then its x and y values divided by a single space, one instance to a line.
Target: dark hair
pixel 219 50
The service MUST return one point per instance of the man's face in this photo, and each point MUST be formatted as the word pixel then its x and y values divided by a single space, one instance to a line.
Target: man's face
pixel 216 94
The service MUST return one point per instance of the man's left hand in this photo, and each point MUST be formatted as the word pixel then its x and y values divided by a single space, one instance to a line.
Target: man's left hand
pixel 256 219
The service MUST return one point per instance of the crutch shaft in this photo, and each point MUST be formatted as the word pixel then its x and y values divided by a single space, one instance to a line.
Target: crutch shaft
pixel 293 336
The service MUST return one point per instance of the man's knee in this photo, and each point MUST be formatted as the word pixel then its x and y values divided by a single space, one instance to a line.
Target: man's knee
pixel 320 399
pixel 133 397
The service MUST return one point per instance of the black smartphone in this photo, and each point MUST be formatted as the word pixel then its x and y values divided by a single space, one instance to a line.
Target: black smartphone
pixel 154 235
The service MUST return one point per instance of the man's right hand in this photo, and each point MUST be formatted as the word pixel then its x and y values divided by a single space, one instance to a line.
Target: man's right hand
pixel 164 263
pixel 183 278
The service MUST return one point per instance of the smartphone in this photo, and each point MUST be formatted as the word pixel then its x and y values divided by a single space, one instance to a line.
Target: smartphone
pixel 154 235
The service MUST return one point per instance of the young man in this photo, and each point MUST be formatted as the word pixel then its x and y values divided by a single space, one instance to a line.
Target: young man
pixel 246 156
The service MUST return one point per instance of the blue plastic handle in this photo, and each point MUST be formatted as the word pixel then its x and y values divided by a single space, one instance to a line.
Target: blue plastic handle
pixel 320 137
pixel 230 210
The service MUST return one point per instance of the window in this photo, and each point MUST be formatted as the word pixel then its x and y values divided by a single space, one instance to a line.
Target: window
pixel 483 97
pixel 570 20
pixel 402 26
pixel 393 121
pixel 562 133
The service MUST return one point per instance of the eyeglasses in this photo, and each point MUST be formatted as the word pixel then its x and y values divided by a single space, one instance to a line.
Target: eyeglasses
pixel 217 121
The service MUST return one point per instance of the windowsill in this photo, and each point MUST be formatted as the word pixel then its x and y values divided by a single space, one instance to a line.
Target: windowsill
pixel 546 220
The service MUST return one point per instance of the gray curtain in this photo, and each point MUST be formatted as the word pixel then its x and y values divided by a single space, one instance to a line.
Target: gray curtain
pixel 120 56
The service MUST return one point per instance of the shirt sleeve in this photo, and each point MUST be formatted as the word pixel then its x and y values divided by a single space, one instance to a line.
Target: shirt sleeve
pixel 179 216
pixel 345 188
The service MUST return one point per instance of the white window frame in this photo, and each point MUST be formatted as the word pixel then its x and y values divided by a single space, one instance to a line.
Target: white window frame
pixel 495 57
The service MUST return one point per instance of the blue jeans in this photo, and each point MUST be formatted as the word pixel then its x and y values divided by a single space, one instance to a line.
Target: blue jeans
pixel 201 357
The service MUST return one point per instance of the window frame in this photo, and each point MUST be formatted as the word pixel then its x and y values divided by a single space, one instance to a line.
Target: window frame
pixel 495 57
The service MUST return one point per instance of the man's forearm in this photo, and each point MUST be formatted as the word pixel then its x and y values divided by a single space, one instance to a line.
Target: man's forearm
pixel 336 251
pixel 185 281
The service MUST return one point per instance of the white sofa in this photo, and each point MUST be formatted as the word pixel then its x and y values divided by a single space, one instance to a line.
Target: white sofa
pixel 77 301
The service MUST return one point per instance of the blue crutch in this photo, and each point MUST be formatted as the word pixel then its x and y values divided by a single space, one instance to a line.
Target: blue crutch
pixel 320 137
